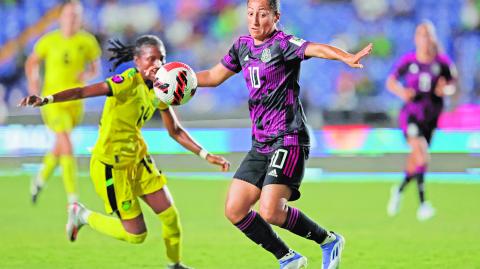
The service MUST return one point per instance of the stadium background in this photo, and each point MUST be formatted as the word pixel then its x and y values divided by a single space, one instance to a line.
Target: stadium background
pixel 358 152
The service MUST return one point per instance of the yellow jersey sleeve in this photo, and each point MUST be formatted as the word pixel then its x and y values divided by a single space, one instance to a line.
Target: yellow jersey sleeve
pixel 121 84
pixel 162 106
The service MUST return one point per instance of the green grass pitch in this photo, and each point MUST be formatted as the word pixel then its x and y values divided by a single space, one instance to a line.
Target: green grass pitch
pixel 33 236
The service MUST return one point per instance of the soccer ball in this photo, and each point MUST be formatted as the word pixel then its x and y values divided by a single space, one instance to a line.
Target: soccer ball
pixel 175 83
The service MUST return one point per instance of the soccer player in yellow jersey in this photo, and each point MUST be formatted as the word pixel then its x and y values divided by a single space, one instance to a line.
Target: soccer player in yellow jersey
pixel 120 167
pixel 70 58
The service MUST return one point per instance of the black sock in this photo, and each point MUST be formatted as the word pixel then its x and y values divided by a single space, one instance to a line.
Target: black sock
pixel 406 180
pixel 303 226
pixel 421 187
pixel 260 232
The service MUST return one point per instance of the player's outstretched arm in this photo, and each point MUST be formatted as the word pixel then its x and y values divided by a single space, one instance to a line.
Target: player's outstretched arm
pixel 97 89
pixel 214 76
pixel 333 53
pixel 176 131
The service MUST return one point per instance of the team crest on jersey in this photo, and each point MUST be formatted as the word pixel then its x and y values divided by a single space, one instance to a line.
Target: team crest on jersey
pixel 117 79
pixel 297 41
pixel 413 68
pixel 126 205
pixel 266 55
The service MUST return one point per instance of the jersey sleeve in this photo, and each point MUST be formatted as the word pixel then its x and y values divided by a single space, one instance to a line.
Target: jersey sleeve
pixel 121 84
pixel 294 48
pixel 42 45
pixel 162 106
pixel 448 69
pixel 400 68
pixel 94 50
pixel 231 60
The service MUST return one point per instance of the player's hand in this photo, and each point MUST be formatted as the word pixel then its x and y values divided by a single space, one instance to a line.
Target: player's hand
pixel 408 94
pixel 354 60
pixel 441 83
pixel 219 160
pixel 32 100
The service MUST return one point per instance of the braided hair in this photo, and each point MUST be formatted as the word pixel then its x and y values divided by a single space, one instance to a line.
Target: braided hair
pixel 125 53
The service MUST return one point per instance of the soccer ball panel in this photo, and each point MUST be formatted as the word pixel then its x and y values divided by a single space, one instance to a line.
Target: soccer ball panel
pixel 175 83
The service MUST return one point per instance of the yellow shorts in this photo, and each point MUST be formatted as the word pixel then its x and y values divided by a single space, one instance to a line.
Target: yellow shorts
pixel 62 117
pixel 120 187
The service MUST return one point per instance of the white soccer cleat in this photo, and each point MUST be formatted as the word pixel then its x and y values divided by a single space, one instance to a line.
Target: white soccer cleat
pixel 332 252
pixel 393 206
pixel 425 211
pixel 293 260
pixel 74 222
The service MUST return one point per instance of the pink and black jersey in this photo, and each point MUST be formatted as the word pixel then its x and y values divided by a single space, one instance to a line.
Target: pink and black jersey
pixel 271 71
pixel 426 106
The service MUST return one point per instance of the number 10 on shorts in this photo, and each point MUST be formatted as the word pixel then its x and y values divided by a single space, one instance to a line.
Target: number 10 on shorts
pixel 278 158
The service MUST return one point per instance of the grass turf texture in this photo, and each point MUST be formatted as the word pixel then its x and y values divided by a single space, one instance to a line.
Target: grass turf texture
pixel 34 237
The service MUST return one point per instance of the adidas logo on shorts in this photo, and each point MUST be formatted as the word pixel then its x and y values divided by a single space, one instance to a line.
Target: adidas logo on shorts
pixel 273 173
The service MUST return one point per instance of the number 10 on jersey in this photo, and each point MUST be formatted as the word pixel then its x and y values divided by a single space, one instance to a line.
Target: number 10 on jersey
pixel 254 76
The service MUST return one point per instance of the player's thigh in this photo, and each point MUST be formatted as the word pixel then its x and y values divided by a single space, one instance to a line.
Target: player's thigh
pixel 114 186
pixel 159 200
pixel 273 203
pixel 149 179
pixel 135 225
pixel 241 196
pixel 245 188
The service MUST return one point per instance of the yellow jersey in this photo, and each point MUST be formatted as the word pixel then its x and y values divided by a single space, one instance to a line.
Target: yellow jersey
pixel 131 104
pixel 65 59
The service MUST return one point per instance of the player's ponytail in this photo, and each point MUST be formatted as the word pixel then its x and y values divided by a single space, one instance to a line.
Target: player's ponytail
pixel 121 53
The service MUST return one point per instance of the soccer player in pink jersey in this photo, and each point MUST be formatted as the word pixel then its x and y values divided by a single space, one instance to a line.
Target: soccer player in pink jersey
pixel 420 79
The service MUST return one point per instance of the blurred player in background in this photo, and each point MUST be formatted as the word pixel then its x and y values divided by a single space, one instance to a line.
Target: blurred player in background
pixel 71 58
pixel 428 75
pixel 120 167
pixel 273 169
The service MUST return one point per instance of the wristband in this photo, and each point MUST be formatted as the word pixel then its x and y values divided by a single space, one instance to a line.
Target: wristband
pixel 203 154
pixel 48 99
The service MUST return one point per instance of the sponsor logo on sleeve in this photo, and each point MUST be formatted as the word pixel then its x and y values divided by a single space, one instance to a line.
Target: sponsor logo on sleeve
pixel 117 79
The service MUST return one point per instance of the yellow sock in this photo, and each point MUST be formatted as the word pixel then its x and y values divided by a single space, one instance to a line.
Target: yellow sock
pixel 113 227
pixel 69 175
pixel 171 232
pixel 50 161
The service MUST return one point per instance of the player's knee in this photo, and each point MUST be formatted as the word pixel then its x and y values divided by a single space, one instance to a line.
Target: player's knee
pixel 234 214
pixel 270 215
pixel 135 238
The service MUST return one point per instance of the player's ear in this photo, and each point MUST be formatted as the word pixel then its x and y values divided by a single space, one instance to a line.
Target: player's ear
pixel 136 60
pixel 277 17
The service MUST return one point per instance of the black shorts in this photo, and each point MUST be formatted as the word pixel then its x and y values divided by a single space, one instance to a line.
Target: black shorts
pixel 425 128
pixel 285 165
